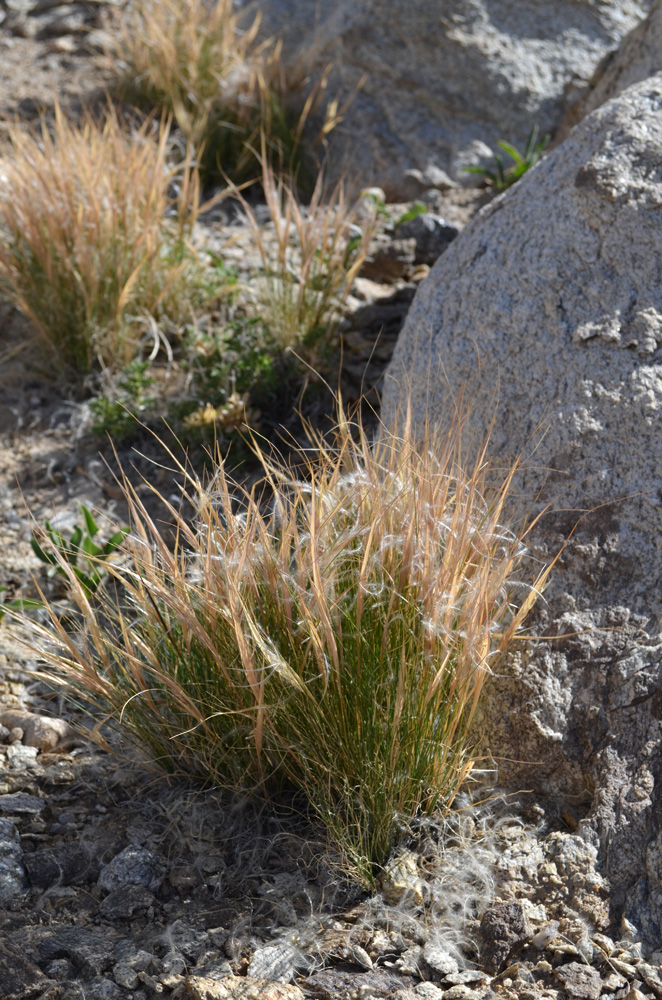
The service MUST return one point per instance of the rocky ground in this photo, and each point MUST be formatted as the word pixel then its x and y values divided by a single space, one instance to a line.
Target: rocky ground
pixel 117 884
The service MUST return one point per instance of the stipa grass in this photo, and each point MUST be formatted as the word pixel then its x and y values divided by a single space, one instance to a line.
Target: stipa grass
pixel 311 255
pixel 193 60
pixel 86 247
pixel 334 640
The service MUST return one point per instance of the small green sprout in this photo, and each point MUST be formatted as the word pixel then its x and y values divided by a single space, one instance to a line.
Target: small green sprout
pixel 80 546
pixel 418 208
pixel 17 605
pixel 502 178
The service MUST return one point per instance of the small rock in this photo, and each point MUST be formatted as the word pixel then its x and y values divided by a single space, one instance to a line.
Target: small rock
pixel 103 989
pixel 467 976
pixel 21 803
pixel 239 988
pixel 220 968
pixel 66 865
pixel 132 866
pixel 635 994
pixel 39 731
pixel 275 962
pixel 651 977
pixel 62 45
pixel 20 757
pixel 412 961
pixel 99 40
pixel 330 984
pixel 625 967
pixel 417 182
pixel 612 982
pixel 389 259
pixel 12 873
pixel 123 903
pixel 502 929
pixel 401 880
pixel 431 233
pixel 90 950
pixel 62 21
pixel 127 953
pixel 20 978
pixel 16 735
pixel 580 981
pixel 60 969
pixel 428 991
pixel 126 976
pixel 461 992
pixel 439 960
pixel 4 734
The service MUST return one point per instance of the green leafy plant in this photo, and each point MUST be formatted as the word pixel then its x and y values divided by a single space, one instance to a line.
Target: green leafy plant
pixel 79 557
pixel 418 208
pixel 330 634
pixel 502 178
pixel 19 604
pixel 117 415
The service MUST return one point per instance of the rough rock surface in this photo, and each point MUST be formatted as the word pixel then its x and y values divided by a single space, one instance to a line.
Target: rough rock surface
pixel 638 57
pixel 444 80
pixel 553 294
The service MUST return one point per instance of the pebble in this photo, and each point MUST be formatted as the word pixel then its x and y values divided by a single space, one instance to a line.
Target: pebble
pixel 431 233
pixel 12 874
pixel 468 976
pixel 132 866
pixel 439 960
pixel 19 756
pixel 276 962
pixel 39 731
pixel 580 981
pixel 401 880
pixel 239 988
pixel 460 992
pixel 125 902
pixel 21 803
pixel 90 950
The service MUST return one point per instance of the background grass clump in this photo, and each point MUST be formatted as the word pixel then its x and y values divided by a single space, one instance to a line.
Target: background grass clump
pixel 310 257
pixel 92 242
pixel 329 633
pixel 225 88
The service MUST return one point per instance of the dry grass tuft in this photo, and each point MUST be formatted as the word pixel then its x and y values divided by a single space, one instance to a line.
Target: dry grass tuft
pixel 335 639
pixel 192 59
pixel 310 255
pixel 86 246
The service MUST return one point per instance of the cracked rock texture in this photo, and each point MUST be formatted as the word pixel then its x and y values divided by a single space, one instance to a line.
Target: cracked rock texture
pixel 638 57
pixel 445 81
pixel 554 294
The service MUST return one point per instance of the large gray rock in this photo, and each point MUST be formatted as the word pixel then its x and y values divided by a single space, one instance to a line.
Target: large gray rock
pixel 551 299
pixel 443 79
pixel 638 57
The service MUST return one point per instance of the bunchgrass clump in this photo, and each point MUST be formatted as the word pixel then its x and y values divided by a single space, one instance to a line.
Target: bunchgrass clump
pixel 91 241
pixel 329 632
pixel 310 255
pixel 192 59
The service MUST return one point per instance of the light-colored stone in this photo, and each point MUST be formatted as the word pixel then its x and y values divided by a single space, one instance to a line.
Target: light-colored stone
pixel 275 962
pixel 401 880
pixel 444 82
pixel 39 731
pixel 550 302
pixel 239 988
